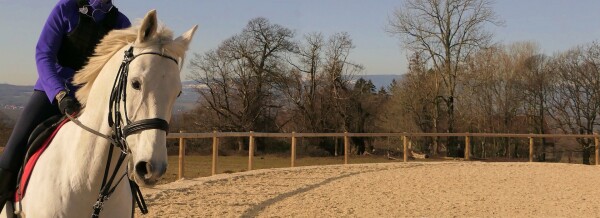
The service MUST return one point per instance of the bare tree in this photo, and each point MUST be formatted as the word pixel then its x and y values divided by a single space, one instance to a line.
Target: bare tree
pixel 495 91
pixel 445 33
pixel 318 83
pixel 363 108
pixel 303 86
pixel 575 101
pixel 410 107
pixel 338 73
pixel 536 86
pixel 237 79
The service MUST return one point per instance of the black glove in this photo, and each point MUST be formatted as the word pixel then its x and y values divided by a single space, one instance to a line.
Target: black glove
pixel 69 105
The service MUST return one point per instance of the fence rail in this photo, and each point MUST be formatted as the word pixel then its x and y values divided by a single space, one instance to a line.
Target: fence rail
pixel 406 137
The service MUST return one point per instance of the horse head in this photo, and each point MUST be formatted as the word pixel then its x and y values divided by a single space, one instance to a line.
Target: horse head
pixel 152 86
pixel 144 89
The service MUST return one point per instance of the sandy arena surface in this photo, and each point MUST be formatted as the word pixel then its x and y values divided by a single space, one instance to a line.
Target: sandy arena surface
pixel 448 189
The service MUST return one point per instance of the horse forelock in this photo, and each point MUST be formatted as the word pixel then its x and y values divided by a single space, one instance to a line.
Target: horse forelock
pixel 114 41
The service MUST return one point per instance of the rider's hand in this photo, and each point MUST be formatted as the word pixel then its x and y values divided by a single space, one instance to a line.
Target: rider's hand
pixel 69 105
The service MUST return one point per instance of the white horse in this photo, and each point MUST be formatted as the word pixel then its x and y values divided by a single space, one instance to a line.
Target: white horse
pixel 67 178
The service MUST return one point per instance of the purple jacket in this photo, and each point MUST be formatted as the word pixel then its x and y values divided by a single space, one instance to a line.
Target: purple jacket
pixel 63 19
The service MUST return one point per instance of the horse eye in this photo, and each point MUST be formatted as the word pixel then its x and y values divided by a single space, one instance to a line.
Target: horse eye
pixel 136 85
pixel 179 94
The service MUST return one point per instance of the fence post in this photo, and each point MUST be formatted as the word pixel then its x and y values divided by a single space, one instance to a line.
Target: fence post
pixel 346 147
pixel 293 149
pixel 181 156
pixel 467 147
pixel 405 140
pixel 215 152
pixel 531 141
pixel 597 143
pixel 251 151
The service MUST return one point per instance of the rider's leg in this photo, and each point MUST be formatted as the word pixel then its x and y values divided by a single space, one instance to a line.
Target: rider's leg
pixel 38 109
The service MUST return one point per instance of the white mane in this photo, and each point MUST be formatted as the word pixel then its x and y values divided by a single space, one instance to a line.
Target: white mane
pixel 113 42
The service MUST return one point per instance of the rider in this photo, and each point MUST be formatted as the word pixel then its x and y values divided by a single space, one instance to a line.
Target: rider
pixel 67 40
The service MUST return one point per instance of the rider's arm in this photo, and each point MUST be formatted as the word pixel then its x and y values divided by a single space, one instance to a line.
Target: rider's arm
pixel 61 20
pixel 46 50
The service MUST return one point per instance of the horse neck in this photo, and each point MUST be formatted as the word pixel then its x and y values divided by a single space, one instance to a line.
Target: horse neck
pixel 94 149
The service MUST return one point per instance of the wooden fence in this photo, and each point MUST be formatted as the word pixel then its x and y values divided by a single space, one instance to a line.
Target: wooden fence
pixel 405 138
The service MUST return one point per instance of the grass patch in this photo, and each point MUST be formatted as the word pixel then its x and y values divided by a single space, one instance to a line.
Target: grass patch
pixel 200 165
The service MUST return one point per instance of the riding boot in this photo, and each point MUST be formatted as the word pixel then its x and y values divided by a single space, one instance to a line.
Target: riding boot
pixel 8 184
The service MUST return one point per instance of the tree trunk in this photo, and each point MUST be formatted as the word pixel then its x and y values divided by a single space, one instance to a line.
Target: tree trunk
pixel 508 148
pixel 360 145
pixel 335 146
pixel 483 150
pixel 542 148
pixel 587 152
pixel 240 143
pixel 453 142
pixel 496 150
pixel 436 139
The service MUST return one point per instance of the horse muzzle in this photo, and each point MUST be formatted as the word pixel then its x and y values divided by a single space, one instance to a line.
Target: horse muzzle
pixel 148 173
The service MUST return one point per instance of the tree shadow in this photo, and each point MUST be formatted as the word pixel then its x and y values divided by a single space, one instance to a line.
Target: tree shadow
pixel 255 210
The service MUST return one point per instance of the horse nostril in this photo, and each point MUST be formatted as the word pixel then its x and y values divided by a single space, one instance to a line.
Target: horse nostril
pixel 143 169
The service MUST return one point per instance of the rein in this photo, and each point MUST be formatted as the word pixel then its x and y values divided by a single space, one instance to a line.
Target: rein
pixel 122 127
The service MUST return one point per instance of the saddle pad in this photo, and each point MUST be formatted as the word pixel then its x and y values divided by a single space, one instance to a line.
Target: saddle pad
pixel 26 173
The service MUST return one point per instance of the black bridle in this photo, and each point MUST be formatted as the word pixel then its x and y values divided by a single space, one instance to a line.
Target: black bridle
pixel 122 127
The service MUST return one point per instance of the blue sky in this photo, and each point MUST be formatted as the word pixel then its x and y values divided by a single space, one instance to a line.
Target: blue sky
pixel 555 25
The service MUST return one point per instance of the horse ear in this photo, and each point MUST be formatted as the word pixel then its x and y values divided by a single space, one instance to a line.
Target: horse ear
pixel 148 27
pixel 186 38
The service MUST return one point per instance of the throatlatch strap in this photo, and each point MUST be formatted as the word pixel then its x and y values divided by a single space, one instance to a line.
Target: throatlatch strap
pixel 139 198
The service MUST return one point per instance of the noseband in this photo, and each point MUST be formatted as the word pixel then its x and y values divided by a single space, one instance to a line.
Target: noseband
pixel 119 95
pixel 122 127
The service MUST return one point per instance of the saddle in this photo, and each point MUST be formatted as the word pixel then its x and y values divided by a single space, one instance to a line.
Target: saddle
pixel 41 133
pixel 38 141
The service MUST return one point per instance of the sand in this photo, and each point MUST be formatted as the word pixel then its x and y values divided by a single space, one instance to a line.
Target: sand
pixel 446 189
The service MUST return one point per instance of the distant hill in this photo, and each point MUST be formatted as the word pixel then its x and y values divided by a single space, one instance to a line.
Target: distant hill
pixel 381 80
pixel 13 98
pixel 14 95
pixel 4 119
pixel 188 98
